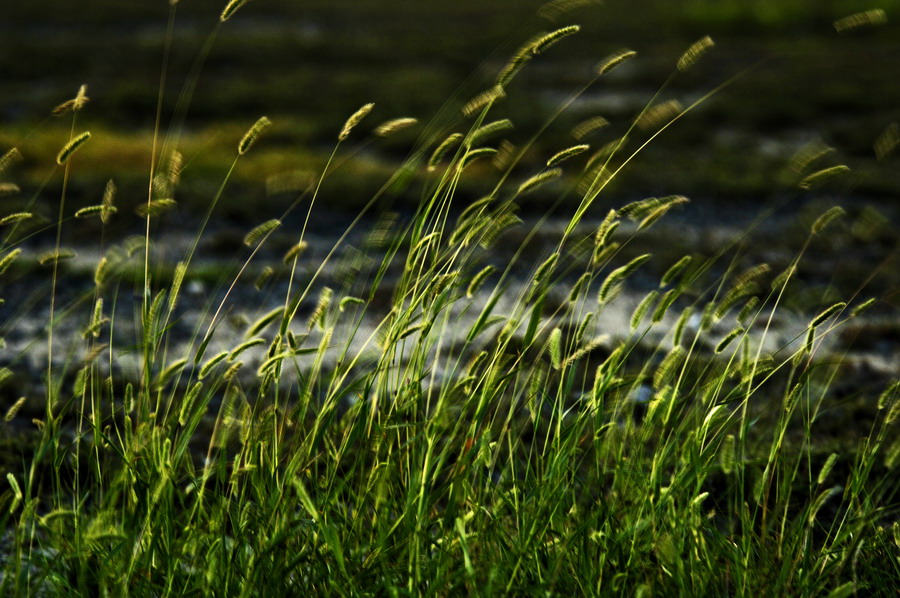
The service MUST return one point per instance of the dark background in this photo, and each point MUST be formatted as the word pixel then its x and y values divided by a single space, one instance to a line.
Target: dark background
pixel 309 64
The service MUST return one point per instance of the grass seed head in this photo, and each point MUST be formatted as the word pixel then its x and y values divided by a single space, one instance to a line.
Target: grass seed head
pixel 483 100
pixel 539 180
pixel 827 218
pixel 694 53
pixel 569 152
pixel 396 125
pixel 72 146
pixel 589 126
pixel 354 120
pixel 825 314
pixel 230 9
pixel 884 146
pixel 485 132
pixel 15 218
pixel 861 20
pixel 819 178
pixel 614 60
pixel 11 157
pixel 253 134
pixel 260 232
pixel 659 115
pixel 544 42
pixel 441 150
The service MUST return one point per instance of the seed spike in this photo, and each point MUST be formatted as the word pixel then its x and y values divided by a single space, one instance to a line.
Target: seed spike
pixel 70 148
pixel 354 120
pixel 253 134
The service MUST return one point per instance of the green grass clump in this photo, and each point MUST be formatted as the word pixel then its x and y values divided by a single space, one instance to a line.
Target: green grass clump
pixel 439 410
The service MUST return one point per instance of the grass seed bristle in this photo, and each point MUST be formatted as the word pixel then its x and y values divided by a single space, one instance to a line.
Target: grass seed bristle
pixel 483 99
pixel 569 152
pixel 170 371
pixel 723 344
pixel 155 207
pixel 253 134
pixel 260 324
pixel 826 313
pixel 263 277
pixel 478 280
pixel 579 285
pixel 74 104
pixel 11 157
pixel 886 143
pixel 230 9
pixel 606 229
pixel 618 275
pixel 641 310
pixel 394 126
pixel 522 56
pixel 680 324
pixel 15 218
pixel 89 211
pixel 354 120
pixel 485 132
pixel 544 269
pixel 544 42
pixel 244 346
pixel 659 115
pixel 259 233
pixel 212 362
pixel 100 271
pixel 318 312
pixel 176 163
pixel 554 347
pixel 782 279
pixel 14 410
pixel 827 218
pixel 70 148
pixel 50 257
pixel 177 280
pixel 807 155
pixel 675 269
pixel 748 310
pixel 667 368
pixel 505 155
pixel 109 198
pixel 473 155
pixel 694 53
pixel 97 319
pixel 441 150
pixel 8 189
pixel 862 307
pixel 665 303
pixel 589 126
pixel 861 20
pixel 820 177
pixel 614 60
pixel 826 468
pixel 539 180
pixel 295 251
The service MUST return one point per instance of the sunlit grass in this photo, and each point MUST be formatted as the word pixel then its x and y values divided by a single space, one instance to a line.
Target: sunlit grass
pixel 428 407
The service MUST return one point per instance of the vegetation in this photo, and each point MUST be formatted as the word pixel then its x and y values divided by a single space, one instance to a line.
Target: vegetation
pixel 441 404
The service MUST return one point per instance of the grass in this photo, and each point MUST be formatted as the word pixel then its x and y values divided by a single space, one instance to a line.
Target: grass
pixel 452 402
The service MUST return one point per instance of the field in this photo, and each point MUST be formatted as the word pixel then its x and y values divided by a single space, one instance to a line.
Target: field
pixel 499 298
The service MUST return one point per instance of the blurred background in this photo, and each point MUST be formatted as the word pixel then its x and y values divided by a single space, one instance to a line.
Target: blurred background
pixel 308 64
